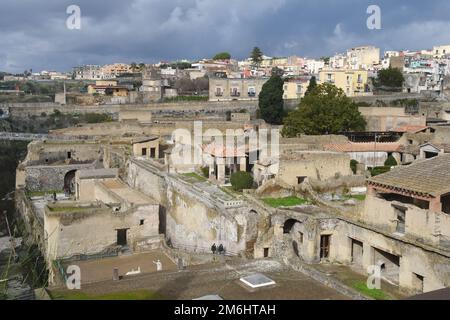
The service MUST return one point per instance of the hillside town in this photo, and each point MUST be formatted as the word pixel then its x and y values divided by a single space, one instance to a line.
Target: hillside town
pixel 333 169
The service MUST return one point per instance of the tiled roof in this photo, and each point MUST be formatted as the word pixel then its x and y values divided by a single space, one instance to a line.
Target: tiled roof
pixel 410 128
pixel 364 147
pixel 430 177
pixel 440 146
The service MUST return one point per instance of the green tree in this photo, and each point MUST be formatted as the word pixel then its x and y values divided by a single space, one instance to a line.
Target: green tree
pixel 326 110
pixel 353 165
pixel 391 78
pixel 222 56
pixel 390 161
pixel 133 66
pixel 271 101
pixel 325 59
pixel 277 71
pixel 241 180
pixel 312 85
pixel 256 56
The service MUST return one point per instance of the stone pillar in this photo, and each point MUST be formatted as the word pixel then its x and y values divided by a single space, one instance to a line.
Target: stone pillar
pixel 371 191
pixel 367 258
pixel 404 274
pixel 243 164
pixel 220 170
pixel 436 205
pixel 311 255
pixel 278 231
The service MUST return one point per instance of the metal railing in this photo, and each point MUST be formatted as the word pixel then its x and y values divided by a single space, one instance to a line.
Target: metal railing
pixel 201 249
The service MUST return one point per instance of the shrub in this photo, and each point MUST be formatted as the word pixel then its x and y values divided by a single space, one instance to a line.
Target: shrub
pixel 379 170
pixel 205 171
pixel 390 161
pixel 353 165
pixel 241 180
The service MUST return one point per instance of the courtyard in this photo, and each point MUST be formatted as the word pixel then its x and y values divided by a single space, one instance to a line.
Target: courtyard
pixel 220 278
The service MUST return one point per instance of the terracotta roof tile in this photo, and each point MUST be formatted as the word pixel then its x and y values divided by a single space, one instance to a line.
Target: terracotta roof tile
pixel 410 128
pixel 430 176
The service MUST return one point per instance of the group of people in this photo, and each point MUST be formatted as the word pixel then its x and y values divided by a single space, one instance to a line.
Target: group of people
pixel 218 250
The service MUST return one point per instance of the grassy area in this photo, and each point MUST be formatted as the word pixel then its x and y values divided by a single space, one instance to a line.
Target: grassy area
pixel 195 176
pixel 377 294
pixel 41 193
pixel 130 295
pixel 360 197
pixel 230 191
pixel 66 209
pixel 284 202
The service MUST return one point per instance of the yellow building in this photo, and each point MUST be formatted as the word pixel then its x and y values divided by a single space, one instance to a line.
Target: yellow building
pixel 441 51
pixel 353 82
pixel 106 83
pixel 116 91
pixel 294 89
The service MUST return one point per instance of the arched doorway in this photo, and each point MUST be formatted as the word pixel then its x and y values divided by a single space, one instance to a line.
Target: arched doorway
pixel 288 225
pixel 291 228
pixel 69 182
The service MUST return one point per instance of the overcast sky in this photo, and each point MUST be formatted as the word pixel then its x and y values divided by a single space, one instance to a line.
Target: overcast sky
pixel 33 33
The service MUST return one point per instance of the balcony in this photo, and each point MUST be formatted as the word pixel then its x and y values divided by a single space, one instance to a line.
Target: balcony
pixel 219 94
pixel 235 94
pixel 252 94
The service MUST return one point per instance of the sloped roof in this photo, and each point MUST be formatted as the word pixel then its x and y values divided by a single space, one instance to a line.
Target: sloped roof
pixel 439 146
pixel 411 128
pixel 430 177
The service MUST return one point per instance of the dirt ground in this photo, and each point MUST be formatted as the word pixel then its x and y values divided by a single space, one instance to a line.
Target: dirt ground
pixel 102 270
pixel 221 278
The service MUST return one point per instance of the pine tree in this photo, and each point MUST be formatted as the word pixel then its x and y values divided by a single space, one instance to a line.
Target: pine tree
pixel 312 85
pixel 256 56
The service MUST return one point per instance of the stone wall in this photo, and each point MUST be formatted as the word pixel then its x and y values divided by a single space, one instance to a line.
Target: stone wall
pixel 194 220
pixel 25 110
pixel 94 229
pixel 297 235
pixel 388 118
pixel 47 152
pixel 42 178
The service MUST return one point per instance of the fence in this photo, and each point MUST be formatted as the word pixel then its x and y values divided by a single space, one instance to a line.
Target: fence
pixel 201 249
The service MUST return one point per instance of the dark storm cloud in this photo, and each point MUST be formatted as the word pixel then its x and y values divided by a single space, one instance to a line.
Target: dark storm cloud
pixel 34 33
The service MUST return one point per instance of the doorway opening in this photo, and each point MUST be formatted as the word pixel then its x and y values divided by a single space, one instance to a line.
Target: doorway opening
pixel 417 282
pixel 325 241
pixel 357 252
pixel 122 237
pixel 389 264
